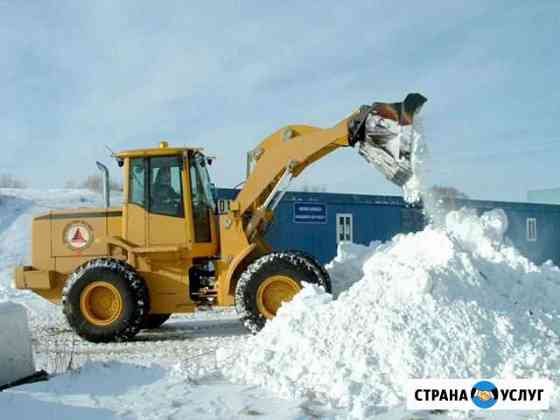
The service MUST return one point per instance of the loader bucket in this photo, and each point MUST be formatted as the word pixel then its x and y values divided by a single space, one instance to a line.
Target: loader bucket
pixel 385 136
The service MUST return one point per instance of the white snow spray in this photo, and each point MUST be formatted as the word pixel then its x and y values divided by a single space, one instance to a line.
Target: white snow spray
pixel 416 190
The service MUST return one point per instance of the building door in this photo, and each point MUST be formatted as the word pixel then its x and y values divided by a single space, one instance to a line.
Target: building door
pixel 344 227
pixel 531 229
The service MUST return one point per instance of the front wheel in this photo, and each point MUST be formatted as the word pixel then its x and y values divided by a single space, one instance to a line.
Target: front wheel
pixel 318 267
pixel 268 282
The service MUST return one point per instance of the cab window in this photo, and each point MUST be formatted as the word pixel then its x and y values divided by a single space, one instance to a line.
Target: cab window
pixel 137 193
pixel 166 193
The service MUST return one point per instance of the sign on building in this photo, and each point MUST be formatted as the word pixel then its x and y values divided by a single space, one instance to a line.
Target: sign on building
pixel 310 213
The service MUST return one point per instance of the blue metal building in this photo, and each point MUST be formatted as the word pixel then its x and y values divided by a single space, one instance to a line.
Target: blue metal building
pixel 533 228
pixel 316 222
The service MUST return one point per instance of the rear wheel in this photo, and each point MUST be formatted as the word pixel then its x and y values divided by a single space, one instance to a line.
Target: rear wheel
pixel 268 282
pixel 154 321
pixel 105 300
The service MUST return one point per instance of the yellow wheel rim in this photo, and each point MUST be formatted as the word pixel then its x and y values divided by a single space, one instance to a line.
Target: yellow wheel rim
pixel 101 303
pixel 273 291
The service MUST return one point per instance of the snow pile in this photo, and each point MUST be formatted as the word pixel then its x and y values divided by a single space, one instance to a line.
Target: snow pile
pixel 441 303
pixel 346 268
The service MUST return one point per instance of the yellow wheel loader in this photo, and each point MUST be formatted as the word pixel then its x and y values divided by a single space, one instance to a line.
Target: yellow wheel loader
pixel 166 250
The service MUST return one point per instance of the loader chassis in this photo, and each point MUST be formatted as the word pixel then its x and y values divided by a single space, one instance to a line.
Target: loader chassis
pixel 165 251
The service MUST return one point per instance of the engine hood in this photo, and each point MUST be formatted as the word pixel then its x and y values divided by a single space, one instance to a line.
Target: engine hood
pixel 74 232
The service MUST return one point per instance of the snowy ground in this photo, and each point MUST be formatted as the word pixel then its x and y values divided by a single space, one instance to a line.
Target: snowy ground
pixel 172 373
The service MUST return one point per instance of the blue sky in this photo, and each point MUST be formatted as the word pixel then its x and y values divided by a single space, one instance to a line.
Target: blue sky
pixel 223 75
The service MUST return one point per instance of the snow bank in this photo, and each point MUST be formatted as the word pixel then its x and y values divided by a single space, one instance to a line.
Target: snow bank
pixel 441 303
pixel 16 353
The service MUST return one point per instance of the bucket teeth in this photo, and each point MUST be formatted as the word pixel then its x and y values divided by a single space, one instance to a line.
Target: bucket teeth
pixel 385 136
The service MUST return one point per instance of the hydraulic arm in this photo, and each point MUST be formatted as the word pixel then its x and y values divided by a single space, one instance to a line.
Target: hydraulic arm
pixel 382 133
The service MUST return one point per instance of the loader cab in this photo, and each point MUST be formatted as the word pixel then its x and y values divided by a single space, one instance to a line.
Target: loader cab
pixel 169 200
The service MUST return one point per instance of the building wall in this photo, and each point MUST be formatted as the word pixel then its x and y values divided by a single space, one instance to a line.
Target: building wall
pixel 372 220
pixel 381 217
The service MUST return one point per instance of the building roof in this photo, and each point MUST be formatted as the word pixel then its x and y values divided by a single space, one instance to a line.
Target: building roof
pixel 548 196
pixel 391 200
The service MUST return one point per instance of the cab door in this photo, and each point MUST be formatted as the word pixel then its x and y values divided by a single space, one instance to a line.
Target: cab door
pixel 166 212
pixel 201 207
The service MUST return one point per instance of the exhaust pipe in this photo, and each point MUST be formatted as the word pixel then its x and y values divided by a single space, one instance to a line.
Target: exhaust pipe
pixel 385 136
pixel 106 191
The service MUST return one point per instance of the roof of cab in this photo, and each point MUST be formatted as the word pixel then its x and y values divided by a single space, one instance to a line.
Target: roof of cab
pixel 162 150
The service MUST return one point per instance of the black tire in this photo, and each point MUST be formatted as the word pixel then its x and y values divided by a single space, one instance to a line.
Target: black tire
pixel 154 321
pixel 321 270
pixel 131 289
pixel 289 264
